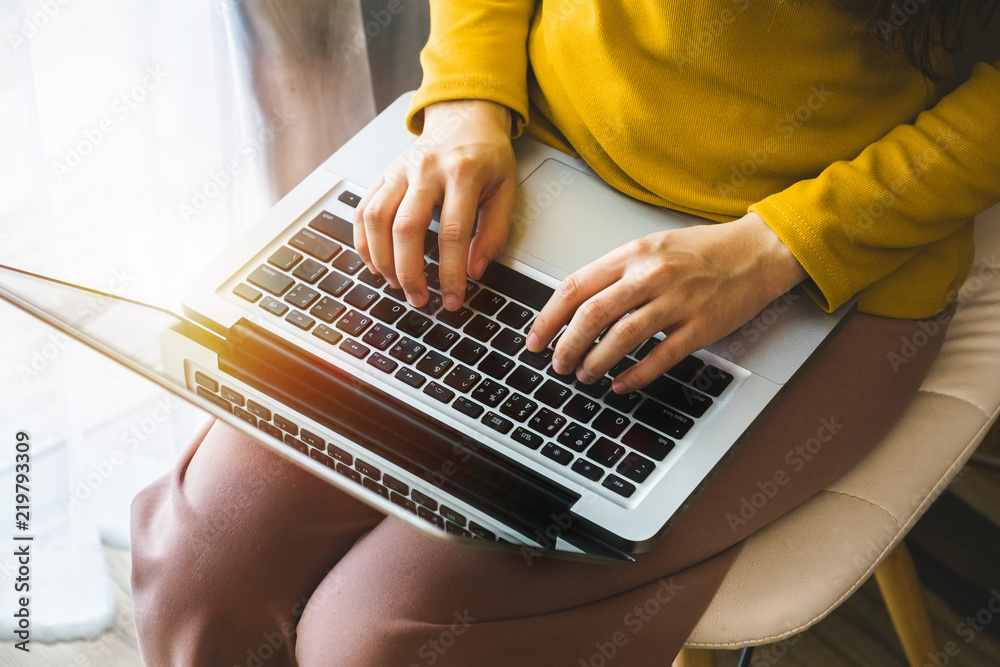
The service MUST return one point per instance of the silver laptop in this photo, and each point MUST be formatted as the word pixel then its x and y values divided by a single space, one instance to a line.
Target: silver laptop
pixel 444 418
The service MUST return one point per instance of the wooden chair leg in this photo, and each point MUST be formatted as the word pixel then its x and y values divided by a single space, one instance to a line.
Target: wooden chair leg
pixel 692 657
pixel 897 579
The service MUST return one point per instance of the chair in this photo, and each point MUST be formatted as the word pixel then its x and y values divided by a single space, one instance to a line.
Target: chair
pixel 794 572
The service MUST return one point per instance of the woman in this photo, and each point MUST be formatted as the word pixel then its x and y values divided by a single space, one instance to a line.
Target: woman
pixel 819 133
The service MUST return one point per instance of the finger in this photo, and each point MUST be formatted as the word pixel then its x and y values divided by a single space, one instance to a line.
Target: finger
pixel 572 291
pixel 609 307
pixel 378 217
pixel 458 212
pixel 622 337
pixel 491 231
pixel 360 240
pixel 678 344
pixel 408 232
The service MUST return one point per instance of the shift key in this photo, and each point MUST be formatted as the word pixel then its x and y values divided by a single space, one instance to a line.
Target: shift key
pixel 315 244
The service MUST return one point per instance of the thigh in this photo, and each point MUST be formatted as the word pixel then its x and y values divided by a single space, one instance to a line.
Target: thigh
pixel 502 608
pixel 227 549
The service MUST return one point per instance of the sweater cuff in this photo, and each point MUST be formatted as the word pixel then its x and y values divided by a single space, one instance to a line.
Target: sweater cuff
pixel 468 87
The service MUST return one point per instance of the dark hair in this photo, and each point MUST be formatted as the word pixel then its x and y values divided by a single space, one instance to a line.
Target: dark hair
pixel 921 29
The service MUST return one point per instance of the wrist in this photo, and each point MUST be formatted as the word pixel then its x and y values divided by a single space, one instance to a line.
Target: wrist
pixel 782 269
pixel 483 113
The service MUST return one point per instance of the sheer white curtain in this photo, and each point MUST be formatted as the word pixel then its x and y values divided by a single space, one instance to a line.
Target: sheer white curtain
pixel 132 150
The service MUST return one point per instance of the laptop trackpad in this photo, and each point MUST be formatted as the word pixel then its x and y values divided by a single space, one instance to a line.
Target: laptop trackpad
pixel 566 218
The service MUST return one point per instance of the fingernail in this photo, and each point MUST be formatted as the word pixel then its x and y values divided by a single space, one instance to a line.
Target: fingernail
pixel 393 282
pixel 581 376
pixel 532 342
pixel 371 268
pixel 411 298
pixel 559 367
pixel 451 302
pixel 619 387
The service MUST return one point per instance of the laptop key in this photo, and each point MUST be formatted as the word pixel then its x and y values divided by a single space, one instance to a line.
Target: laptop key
pixel 361 297
pixel 395 485
pixel 576 437
pixel 244 291
pixel 508 341
pixel 565 378
pixel 349 473
pixel 273 306
pixel 647 441
pixel 380 336
pixel 497 423
pixel 205 381
pixel 468 350
pixel 621 367
pixel 663 419
pixel 553 394
pixel 515 285
pixel 557 453
pixel 335 284
pixel 582 408
pixel 212 398
pixel 482 328
pixel 676 395
pixel 686 369
pixel 597 389
pixel 387 310
pixel 439 392
pixel 452 515
pixel 487 302
pixel 611 423
pixel 623 402
pixel 434 303
pixel 334 227
pixel 470 289
pixel 430 517
pixel 524 379
pixel 618 485
pixel 547 422
pixel 646 348
pixel 284 258
pixel 455 529
pixel 301 320
pixel 537 360
pixel 395 292
pixel 635 467
pixel 415 324
pixel 350 198
pixel 434 364
pixel 372 485
pixel 259 410
pixel 515 315
pixel 490 392
pixel 270 429
pixel 455 318
pixel 354 348
pixel 441 337
pixel 407 350
pixel 467 407
pixel 373 279
pixel 431 276
pixel 524 437
pixel 301 296
pixel 309 271
pixel 286 425
pixel 462 378
pixel 496 365
pixel 713 381
pixel 324 332
pixel 349 262
pixel 314 454
pixel 314 244
pixel 367 469
pixel 587 469
pixel 312 439
pixel 481 533
pixel 270 280
pixel 327 309
pixel 518 408
pixel 606 452
pixel 424 500
pixel 410 377
pixel 382 362
pixel 354 323
pixel 339 454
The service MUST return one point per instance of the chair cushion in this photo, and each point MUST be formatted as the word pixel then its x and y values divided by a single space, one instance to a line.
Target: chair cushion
pixel 797 570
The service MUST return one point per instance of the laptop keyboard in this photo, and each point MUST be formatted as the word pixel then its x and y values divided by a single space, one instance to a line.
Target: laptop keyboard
pixel 336 458
pixel 473 361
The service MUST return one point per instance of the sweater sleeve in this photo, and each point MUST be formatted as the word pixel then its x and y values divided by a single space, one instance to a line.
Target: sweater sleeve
pixel 859 220
pixel 477 49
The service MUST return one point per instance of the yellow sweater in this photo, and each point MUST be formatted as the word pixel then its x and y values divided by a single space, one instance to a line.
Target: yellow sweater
pixel 865 171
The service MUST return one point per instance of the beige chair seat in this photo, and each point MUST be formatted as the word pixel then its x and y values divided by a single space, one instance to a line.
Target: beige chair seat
pixel 801 567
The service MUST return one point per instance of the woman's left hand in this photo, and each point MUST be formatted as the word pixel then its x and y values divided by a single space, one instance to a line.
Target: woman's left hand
pixel 696 285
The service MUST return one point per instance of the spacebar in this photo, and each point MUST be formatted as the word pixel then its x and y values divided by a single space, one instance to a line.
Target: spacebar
pixel 517 286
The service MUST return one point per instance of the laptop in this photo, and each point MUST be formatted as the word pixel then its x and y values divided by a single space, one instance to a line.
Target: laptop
pixel 444 419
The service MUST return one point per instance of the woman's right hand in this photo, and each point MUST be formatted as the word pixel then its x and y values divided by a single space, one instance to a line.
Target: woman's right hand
pixel 463 162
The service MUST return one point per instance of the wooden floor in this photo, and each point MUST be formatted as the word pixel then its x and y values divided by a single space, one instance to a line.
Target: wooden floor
pixel 956 549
